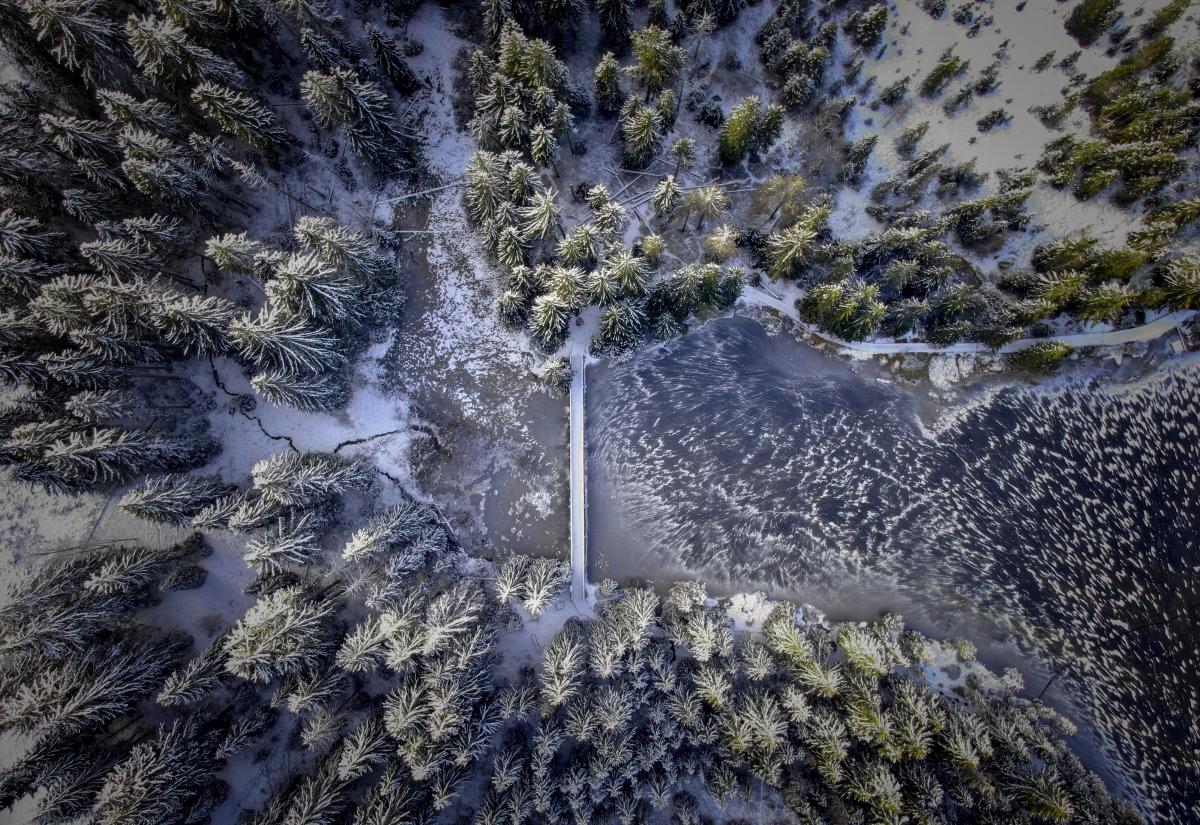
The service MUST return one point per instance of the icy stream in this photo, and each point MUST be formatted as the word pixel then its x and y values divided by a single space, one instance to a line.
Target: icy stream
pixel 1047 526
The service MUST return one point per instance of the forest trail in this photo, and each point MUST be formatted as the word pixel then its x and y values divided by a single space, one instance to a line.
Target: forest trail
pixel 755 296
pixel 578 486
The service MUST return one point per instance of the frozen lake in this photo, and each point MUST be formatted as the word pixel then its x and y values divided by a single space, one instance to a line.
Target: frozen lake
pixel 1047 526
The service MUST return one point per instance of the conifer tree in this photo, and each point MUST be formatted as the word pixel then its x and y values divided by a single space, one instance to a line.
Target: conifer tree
pixel 642 128
pixel 197 325
pixel 166 54
pixel 280 339
pixel 622 326
pixel 684 152
pixel 162 169
pixel 387 56
pixel 144 115
pixel 866 26
pixel 85 691
pixel 284 632
pixel 118 257
pixel 393 528
pixel 720 244
pixel 102 455
pixel 291 542
pixel 173 499
pixel 308 393
pixel 548 321
pixel 306 479
pixel 239 253
pixel 160 781
pixel 320 50
pixel 306 286
pixel 195 680
pixel 703 25
pixel 665 197
pixel 1181 284
pixel 707 202
pixel 80 36
pixel 540 217
pixel 338 98
pixel 615 19
pixel 609 95
pixel 239 115
pixel 659 61
pixel 78 137
pixel 25 237
pixel 749 128
pixel 543 146
pixel 343 247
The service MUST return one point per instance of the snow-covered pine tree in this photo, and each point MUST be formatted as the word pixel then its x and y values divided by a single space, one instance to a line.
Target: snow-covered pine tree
pixel 544 579
pixel 307 286
pixel 309 393
pixel 282 633
pixel 343 247
pixel 165 53
pixel 393 65
pixel 392 528
pixel 161 169
pixel 320 50
pixel 161 780
pixel 318 799
pixel 615 20
pixel 238 252
pixel 629 271
pixel 642 130
pixel 563 666
pixel 665 197
pixel 548 322
pixel 198 325
pixel 240 115
pixel 291 542
pixel 341 99
pixel 86 206
pixel 83 692
pixel 198 678
pixel 720 244
pixel 659 60
pixel 252 512
pixel 175 498
pixel 306 479
pixel 78 137
pixel 23 237
pixel 91 406
pixel 789 250
pixel 366 746
pixel 610 97
pixel 622 326
pixel 132 570
pixel 276 338
pixel 119 257
pixel 151 115
pixel 245 730
pixel 79 34
pixel 540 216
pixel 102 455
pixel 707 202
pixel 22 279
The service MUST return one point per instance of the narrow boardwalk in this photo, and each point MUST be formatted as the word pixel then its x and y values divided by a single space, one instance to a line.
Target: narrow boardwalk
pixel 1167 323
pixel 578 486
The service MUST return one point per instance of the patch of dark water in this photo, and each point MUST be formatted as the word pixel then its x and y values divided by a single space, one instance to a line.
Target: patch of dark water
pixel 1052 528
